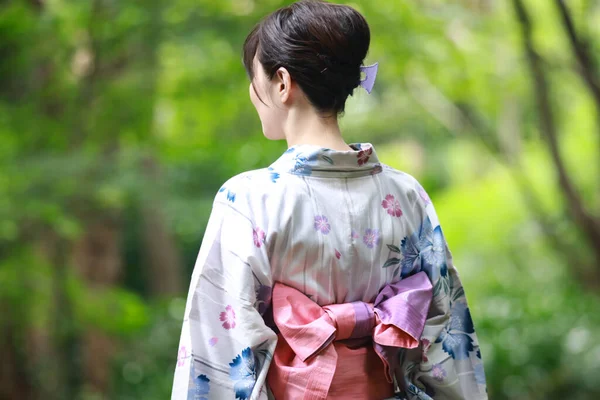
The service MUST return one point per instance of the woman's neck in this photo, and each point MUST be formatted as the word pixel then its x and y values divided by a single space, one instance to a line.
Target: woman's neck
pixel 305 126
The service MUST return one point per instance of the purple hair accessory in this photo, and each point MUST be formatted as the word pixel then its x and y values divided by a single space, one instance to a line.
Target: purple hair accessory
pixel 371 73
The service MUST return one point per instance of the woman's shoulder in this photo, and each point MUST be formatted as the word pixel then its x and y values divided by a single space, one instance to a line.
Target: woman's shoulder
pixel 407 185
pixel 249 187
pixel 400 177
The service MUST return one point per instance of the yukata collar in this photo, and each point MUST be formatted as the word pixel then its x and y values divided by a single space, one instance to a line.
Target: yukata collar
pixel 311 160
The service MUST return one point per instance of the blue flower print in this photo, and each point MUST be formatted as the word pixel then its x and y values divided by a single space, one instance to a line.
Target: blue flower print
pixel 411 257
pixel 230 194
pixel 456 339
pixel 432 247
pixel 243 373
pixel 302 165
pixel 199 386
pixel 424 250
pixel 274 175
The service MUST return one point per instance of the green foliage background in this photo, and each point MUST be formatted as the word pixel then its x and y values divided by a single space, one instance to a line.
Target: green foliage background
pixel 93 92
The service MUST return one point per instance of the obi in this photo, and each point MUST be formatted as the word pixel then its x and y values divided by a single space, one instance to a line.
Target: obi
pixel 345 351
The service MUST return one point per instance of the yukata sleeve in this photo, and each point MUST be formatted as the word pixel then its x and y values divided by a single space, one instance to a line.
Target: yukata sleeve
pixel 447 365
pixel 225 347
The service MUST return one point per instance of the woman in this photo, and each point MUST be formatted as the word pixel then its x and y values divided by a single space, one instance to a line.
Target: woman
pixel 325 275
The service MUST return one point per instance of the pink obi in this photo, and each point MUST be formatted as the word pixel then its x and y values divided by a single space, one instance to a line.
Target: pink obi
pixel 345 351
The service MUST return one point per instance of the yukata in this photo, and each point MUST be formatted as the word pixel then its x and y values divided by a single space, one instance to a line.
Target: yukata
pixel 327 229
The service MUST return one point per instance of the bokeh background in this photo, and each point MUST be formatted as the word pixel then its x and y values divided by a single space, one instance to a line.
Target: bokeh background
pixel 119 120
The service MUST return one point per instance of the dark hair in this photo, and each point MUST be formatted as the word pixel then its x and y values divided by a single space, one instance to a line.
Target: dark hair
pixel 322 45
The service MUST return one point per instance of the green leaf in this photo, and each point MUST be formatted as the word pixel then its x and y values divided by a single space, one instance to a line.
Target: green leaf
pixel 437 288
pixel 328 159
pixel 391 261
pixel 458 294
pixel 394 248
pixel 396 271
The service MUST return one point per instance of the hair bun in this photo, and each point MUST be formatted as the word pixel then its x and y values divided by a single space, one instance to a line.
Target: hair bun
pixel 345 74
pixel 321 44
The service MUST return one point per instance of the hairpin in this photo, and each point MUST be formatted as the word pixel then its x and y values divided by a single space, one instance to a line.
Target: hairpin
pixel 370 75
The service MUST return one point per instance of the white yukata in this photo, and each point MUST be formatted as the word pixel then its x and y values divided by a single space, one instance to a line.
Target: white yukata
pixel 337 226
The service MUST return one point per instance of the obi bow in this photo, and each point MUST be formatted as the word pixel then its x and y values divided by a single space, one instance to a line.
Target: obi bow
pixel 308 356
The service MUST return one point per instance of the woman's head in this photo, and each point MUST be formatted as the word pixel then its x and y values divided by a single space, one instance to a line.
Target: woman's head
pixel 313 45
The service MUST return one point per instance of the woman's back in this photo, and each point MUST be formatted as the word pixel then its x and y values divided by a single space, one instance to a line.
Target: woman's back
pixel 338 227
pixel 332 220
pixel 325 275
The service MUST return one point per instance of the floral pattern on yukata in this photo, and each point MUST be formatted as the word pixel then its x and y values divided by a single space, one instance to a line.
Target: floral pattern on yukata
pixel 456 336
pixel 438 372
pixel 228 318
pixel 181 356
pixel 425 344
pixel 423 250
pixel 304 162
pixel 392 206
pixel 231 289
pixel 243 374
pixel 322 224
pixel 273 174
pixel 258 236
pixel 230 194
pixel 199 386
pixel 364 155
pixel 371 238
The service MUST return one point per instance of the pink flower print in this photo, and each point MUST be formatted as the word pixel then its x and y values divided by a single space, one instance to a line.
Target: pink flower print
pixel 371 238
pixel 363 156
pixel 228 318
pixel 424 195
pixel 181 356
pixel 212 341
pixel 259 236
pixel 321 224
pixel 392 206
pixel 438 372
pixel 425 347
pixel 338 255
pixel 354 235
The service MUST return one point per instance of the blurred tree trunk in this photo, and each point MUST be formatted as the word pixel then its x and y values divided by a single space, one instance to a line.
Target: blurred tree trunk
pixel 97 258
pixel 15 382
pixel 463 117
pixel 586 221
pixel 160 253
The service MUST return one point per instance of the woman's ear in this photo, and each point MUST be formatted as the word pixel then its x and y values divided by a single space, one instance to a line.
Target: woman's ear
pixel 284 85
